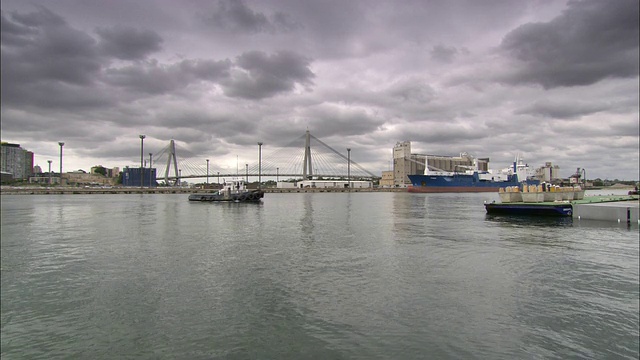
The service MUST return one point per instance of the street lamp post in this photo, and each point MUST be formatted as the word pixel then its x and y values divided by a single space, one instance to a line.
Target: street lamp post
pixel 179 176
pixel 349 167
pixel 207 171
pixel 246 166
pixel 259 164
pixel 49 161
pixel 277 175
pixel 218 178
pixel 141 159
pixel 150 167
pixel 61 145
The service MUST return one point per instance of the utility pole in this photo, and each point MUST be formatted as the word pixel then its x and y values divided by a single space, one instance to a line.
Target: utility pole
pixel 61 145
pixel 49 161
pixel 141 160
pixel 150 172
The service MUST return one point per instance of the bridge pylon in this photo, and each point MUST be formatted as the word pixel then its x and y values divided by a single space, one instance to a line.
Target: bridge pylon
pixel 172 154
pixel 307 171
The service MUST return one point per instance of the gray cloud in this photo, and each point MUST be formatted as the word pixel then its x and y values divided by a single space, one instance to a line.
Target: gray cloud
pixel 260 75
pixel 128 43
pixel 443 53
pixel 42 47
pixel 592 40
pixel 236 17
pixel 562 110
pixel 446 75
pixel 154 78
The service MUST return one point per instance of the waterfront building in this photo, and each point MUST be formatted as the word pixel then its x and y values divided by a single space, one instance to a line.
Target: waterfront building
pixel 460 163
pixel 386 181
pixel 113 173
pixel 548 172
pixel 16 161
pixel 325 184
pixel 84 178
pixel 405 164
pixel 145 177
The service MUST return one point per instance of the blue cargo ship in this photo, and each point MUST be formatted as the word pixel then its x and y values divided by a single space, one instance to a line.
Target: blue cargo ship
pixel 472 180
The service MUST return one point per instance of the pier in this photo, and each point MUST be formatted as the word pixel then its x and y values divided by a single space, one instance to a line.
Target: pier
pixel 623 209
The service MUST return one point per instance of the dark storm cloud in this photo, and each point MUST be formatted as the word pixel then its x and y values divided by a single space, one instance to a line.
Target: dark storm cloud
pixel 218 76
pixel 235 16
pixel 261 75
pixel 128 43
pixel 154 78
pixel 563 109
pixel 13 32
pixel 42 47
pixel 48 64
pixel 591 40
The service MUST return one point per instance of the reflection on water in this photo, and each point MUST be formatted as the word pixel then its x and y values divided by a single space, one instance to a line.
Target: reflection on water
pixel 546 221
pixel 332 275
pixel 306 221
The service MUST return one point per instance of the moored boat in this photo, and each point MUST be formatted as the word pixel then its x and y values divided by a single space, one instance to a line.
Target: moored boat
pixel 233 191
pixel 473 180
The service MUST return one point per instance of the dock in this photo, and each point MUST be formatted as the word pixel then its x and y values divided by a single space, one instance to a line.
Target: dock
pixel 619 208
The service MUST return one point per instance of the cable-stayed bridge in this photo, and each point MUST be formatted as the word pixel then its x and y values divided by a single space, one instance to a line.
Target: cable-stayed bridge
pixel 305 157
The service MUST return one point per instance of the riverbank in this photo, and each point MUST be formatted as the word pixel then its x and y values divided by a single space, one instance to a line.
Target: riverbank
pixel 29 190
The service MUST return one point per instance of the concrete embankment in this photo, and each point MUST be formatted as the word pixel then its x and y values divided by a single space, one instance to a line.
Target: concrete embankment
pixel 164 190
pixel 623 209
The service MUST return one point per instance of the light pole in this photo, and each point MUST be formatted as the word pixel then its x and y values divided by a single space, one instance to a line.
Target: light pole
pixel 246 166
pixel 349 167
pixel 207 171
pixel 150 176
pixel 49 161
pixel 218 178
pixel 61 145
pixel 141 159
pixel 259 164
pixel 277 175
pixel 179 176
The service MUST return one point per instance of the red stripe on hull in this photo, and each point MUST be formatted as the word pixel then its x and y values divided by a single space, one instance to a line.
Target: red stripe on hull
pixel 450 189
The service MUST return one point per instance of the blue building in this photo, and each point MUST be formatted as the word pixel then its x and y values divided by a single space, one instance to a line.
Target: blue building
pixel 131 177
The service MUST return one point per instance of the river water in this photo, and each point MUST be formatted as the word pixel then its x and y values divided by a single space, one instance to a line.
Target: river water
pixel 311 276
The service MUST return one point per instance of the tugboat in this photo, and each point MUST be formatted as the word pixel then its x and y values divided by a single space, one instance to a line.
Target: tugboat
pixel 234 191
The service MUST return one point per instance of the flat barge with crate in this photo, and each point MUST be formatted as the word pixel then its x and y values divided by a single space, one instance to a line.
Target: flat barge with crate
pixel 567 202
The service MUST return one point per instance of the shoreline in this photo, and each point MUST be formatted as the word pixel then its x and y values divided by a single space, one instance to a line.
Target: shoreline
pixel 168 190
pixel 5 190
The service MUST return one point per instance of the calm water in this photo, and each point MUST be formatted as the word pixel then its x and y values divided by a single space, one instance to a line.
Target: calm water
pixel 311 276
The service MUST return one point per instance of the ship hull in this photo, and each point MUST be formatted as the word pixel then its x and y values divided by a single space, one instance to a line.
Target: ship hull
pixel 451 189
pixel 459 183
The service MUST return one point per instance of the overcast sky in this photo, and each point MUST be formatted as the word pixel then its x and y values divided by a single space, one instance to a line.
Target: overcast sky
pixel 552 80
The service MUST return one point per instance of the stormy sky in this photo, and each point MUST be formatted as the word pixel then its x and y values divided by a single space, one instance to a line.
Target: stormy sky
pixel 551 80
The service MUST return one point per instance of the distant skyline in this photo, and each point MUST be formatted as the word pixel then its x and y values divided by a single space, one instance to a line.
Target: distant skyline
pixel 551 80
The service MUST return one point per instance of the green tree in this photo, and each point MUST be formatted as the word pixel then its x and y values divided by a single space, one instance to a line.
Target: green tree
pixel 100 170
